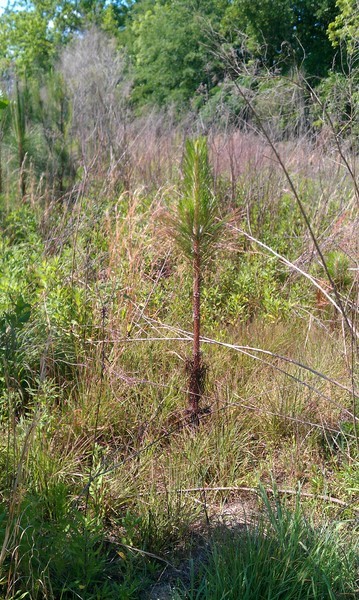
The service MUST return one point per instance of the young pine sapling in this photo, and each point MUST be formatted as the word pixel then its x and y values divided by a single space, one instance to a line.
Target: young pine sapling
pixel 195 227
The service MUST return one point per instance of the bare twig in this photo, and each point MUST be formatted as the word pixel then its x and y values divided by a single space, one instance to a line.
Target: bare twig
pixel 287 492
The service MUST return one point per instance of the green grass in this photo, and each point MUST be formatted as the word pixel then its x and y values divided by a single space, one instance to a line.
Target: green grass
pixel 282 556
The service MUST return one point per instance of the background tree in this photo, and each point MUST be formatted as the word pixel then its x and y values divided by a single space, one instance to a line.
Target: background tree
pixel 170 41
pixel 169 44
pixel 285 33
pixel 32 32
pixel 345 27
pixel 95 72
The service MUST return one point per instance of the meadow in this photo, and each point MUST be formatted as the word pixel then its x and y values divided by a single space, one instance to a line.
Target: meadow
pixel 108 489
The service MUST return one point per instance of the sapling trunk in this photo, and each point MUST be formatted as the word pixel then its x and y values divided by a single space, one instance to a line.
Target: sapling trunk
pixel 195 371
pixel 22 174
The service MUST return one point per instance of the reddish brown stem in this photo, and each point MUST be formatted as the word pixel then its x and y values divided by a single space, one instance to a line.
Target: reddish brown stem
pixel 195 371
pixel 22 182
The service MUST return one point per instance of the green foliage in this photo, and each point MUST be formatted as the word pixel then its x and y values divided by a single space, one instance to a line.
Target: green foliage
pixel 245 288
pixel 49 337
pixel 266 24
pixel 3 103
pixel 311 47
pixel 345 27
pixel 285 33
pixel 196 219
pixel 32 32
pixel 38 143
pixel 11 355
pixel 170 48
pixel 62 553
pixel 171 43
pixel 24 38
pixel 25 144
pixel 338 95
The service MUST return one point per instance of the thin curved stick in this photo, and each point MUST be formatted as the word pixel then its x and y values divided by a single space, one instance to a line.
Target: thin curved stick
pixel 240 348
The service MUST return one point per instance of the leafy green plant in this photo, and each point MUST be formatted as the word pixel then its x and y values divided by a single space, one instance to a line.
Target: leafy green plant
pixel 61 551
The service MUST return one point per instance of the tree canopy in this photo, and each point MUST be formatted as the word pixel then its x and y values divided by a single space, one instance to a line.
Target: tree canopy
pixel 169 42
pixel 170 47
pixel 33 31
pixel 345 27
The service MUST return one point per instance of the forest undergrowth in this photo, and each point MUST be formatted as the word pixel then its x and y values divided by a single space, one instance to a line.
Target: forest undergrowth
pixel 107 489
